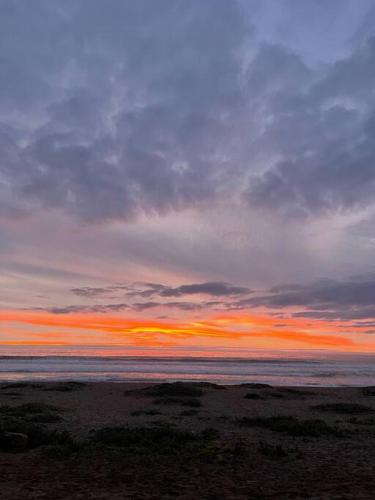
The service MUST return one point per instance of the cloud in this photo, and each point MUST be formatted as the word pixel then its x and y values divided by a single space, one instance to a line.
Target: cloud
pixel 216 289
pixel 121 104
pixel 95 308
pixel 325 299
pixel 144 290
pixel 110 112
pixel 324 133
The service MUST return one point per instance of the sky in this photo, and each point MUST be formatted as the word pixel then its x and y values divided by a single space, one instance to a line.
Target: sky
pixel 180 174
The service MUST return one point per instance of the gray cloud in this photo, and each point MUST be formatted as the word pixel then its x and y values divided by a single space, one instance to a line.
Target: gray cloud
pixel 325 299
pixel 216 289
pixel 94 308
pixel 124 104
pixel 135 107
pixel 325 134
pixel 145 290
pixel 352 300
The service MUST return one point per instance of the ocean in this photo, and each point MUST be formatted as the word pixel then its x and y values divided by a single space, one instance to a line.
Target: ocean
pixel 84 364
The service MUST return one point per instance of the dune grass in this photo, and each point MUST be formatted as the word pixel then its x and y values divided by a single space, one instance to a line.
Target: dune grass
pixel 292 426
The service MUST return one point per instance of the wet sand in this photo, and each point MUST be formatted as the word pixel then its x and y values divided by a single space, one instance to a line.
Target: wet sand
pixel 233 442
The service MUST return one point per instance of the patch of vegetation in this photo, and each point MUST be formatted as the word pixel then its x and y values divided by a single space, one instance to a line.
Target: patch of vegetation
pixel 297 392
pixel 292 426
pixel 61 450
pixel 275 394
pixel 164 440
pixel 253 395
pixel 28 409
pixel 36 434
pixel 369 391
pixel 138 413
pixel 22 385
pixel 65 387
pixel 192 402
pixel 256 385
pixel 208 385
pixel 178 389
pixel 189 413
pixel 160 439
pixel 44 418
pixel 346 408
pixel 272 451
pixel 366 421
pixel 223 418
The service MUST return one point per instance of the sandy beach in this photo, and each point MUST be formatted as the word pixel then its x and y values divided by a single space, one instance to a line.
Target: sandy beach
pixel 186 441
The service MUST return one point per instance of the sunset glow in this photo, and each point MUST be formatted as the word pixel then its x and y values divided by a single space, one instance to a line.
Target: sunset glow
pixel 194 176
pixel 23 328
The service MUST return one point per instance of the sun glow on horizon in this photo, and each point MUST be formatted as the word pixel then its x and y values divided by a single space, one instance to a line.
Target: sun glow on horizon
pixel 257 331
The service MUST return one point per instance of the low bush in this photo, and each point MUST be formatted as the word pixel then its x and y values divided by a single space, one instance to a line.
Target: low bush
pixel 347 408
pixel 28 409
pixel 22 385
pixel 189 413
pixel 138 413
pixel 174 389
pixel 272 451
pixel 192 402
pixel 369 391
pixel 292 426
pixel 253 395
pixel 256 385
pixel 65 387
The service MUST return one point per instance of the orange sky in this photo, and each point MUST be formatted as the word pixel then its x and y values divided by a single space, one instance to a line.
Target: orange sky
pixel 228 331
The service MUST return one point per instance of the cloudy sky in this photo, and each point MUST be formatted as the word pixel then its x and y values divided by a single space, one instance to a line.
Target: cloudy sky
pixel 179 173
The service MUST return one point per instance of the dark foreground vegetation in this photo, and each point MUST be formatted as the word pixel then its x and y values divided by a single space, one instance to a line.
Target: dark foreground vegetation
pixel 184 440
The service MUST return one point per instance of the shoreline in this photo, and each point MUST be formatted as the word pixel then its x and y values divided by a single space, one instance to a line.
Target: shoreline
pixel 90 381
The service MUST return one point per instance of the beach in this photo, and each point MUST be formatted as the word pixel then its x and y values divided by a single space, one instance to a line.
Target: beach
pixel 105 440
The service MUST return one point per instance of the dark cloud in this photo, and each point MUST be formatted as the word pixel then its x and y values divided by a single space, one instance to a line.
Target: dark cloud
pixel 135 306
pixel 95 308
pixel 325 299
pixel 216 289
pixel 90 292
pixel 145 290
pixel 352 300
pixel 124 103
pixel 325 134
pixel 183 306
pixel 110 111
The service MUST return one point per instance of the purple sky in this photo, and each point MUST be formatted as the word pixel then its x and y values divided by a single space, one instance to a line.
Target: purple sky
pixel 188 143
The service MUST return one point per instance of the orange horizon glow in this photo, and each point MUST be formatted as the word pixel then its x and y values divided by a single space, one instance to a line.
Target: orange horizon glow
pixel 228 331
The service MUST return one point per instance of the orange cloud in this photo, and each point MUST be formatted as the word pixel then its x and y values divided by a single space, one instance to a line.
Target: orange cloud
pixel 232 330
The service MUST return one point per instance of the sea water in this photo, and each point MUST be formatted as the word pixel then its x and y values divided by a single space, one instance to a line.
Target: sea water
pixel 113 364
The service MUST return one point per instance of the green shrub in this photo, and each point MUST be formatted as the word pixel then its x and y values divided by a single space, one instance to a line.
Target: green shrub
pixel 138 413
pixel 27 409
pixel 369 391
pixel 291 426
pixel 192 402
pixel 22 385
pixel 174 389
pixel 348 408
pixel 65 387
pixel 188 413
pixel 158 440
pixel 149 437
pixel 253 395
pixel 256 385
pixel 272 451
